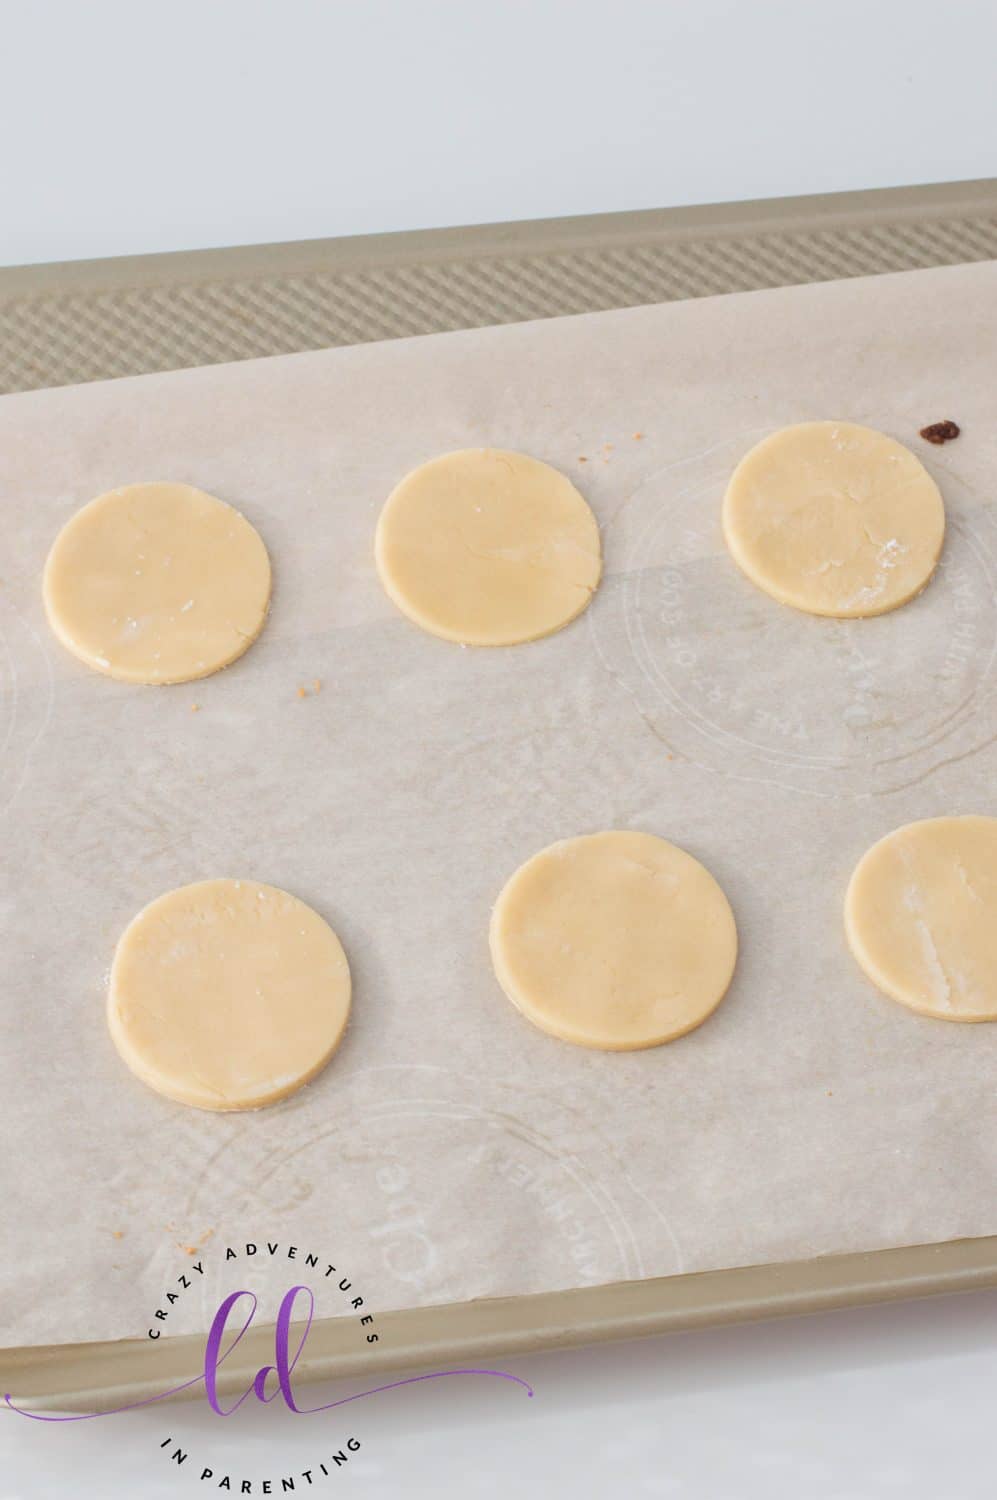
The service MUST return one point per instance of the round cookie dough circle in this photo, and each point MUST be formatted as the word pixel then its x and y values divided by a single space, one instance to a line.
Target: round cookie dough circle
pixel 488 548
pixel 921 917
pixel 157 583
pixel 614 940
pixel 228 994
pixel 834 519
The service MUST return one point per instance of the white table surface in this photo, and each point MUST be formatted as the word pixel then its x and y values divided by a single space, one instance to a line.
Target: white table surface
pixel 127 126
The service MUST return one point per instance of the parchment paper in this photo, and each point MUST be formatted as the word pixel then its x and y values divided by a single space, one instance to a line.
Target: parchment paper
pixel 451 1150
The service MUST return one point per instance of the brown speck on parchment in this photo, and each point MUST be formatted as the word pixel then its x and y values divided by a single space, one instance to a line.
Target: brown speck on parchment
pixel 940 432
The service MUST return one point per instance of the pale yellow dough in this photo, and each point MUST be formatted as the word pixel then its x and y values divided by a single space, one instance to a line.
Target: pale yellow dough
pixel 614 940
pixel 228 994
pixel 157 583
pixel 488 548
pixel 834 519
pixel 921 917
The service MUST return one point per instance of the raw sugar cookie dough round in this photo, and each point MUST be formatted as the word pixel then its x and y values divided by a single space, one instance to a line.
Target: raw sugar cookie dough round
pixel 834 519
pixel 921 917
pixel 614 940
pixel 157 583
pixel 228 994
pixel 488 548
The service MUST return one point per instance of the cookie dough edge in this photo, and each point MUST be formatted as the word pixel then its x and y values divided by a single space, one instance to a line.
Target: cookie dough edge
pixel 731 541
pixel 153 1080
pixel 441 632
pixel 139 679
pixel 509 989
pixel 869 968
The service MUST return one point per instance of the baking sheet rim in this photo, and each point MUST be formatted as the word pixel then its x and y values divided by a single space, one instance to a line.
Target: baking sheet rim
pixel 99 1376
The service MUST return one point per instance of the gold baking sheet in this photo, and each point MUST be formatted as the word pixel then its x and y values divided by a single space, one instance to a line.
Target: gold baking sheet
pixel 835 1272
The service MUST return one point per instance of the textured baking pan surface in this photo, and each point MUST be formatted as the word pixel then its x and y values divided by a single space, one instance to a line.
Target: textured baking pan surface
pixel 92 320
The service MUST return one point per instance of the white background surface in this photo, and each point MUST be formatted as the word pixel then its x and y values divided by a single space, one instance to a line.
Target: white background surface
pixel 137 125
pixel 129 127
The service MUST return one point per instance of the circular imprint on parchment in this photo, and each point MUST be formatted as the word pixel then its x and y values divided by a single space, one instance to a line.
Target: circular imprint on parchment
pixel 442 1188
pixel 737 682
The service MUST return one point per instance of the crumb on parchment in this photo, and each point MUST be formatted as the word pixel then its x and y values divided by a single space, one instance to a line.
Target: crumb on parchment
pixel 317 685
pixel 940 432
pixel 202 1240
pixel 302 692
pixel 195 708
